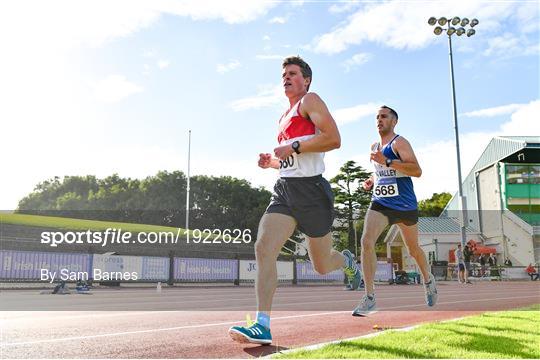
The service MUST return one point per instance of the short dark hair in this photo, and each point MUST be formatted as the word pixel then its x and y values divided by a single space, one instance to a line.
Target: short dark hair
pixel 304 67
pixel 392 111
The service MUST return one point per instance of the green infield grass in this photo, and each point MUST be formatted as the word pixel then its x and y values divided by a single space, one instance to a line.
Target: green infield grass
pixel 507 334
pixel 78 224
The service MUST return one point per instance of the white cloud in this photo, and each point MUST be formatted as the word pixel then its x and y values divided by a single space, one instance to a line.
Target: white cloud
pixel 297 3
pixel 524 121
pixel 356 60
pixel 44 91
pixel 224 68
pixel 163 64
pixel 403 25
pixel 509 45
pixel 146 70
pixel 149 53
pixel 267 96
pixel 494 111
pixel 114 88
pixel 231 11
pixel 355 113
pixel 278 20
pixel 266 38
pixel 342 7
pixel 527 17
pixel 65 23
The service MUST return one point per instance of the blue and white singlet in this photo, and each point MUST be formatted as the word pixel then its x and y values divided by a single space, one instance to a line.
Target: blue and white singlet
pixel 392 188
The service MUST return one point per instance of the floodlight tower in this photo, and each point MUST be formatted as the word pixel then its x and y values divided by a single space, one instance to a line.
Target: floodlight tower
pixel 451 24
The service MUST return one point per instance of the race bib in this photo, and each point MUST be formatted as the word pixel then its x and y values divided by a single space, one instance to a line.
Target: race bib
pixel 386 187
pixel 290 163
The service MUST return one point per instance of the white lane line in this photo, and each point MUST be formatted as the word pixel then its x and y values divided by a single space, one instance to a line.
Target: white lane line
pixel 91 314
pixel 160 329
pixel 58 315
pixel 31 315
pixel 279 302
pixel 237 322
pixel 289 290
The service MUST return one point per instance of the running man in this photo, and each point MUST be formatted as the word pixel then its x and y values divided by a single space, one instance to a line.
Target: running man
pixel 393 202
pixel 302 197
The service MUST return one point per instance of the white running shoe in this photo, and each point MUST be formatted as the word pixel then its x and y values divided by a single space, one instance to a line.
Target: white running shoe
pixel 366 306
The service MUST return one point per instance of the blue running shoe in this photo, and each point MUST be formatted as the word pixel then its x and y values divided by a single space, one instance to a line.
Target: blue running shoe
pixel 367 306
pixel 431 291
pixel 255 334
pixel 351 269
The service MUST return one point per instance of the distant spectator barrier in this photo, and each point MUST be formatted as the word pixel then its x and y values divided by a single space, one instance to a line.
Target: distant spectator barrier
pixel 204 270
pixel 248 270
pixel 306 273
pixel 147 268
pixel 27 265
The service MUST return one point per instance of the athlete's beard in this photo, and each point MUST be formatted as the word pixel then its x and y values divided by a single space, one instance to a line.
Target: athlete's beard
pixel 383 132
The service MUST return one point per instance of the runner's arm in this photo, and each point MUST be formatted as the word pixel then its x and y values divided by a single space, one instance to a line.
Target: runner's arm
pixel 408 164
pixel 328 138
pixel 367 185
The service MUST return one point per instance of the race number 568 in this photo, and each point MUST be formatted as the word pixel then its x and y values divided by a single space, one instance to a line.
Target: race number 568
pixel 386 190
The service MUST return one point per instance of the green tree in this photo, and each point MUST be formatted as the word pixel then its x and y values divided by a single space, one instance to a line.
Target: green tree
pixel 434 205
pixel 351 201
pixel 226 203
pixel 216 202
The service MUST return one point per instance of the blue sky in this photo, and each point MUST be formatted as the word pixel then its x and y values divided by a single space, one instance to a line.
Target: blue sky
pixel 114 86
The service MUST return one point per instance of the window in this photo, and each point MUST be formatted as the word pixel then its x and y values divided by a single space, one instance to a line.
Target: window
pixel 517 174
pixel 534 174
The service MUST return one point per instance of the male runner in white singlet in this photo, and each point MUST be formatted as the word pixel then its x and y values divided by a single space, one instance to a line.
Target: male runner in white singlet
pixel 302 197
pixel 393 202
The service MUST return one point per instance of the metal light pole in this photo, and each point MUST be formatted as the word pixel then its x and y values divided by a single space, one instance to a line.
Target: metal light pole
pixel 187 189
pixel 451 30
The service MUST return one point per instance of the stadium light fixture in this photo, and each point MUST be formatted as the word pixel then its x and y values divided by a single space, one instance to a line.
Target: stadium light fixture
pixel 451 30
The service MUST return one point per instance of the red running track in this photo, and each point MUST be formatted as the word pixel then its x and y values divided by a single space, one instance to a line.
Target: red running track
pixel 302 316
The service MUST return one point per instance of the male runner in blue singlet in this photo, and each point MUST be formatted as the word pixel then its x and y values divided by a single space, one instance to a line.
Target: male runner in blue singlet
pixel 393 202
pixel 302 197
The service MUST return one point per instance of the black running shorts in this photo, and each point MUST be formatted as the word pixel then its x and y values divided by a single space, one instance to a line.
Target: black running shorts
pixel 309 200
pixel 407 217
